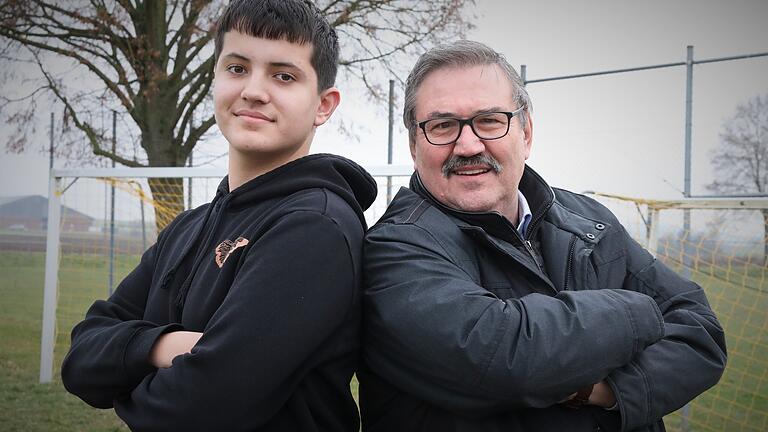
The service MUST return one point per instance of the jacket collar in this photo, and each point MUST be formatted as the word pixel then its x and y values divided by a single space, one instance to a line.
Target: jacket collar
pixel 538 193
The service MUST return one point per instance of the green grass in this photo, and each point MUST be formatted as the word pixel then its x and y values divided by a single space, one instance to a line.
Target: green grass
pixel 26 405
pixel 738 402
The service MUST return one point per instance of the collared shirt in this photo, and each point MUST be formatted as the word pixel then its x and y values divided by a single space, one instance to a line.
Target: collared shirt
pixel 524 214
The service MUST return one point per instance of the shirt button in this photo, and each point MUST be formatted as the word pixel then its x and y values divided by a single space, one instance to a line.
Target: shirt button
pixel 600 226
pixel 590 236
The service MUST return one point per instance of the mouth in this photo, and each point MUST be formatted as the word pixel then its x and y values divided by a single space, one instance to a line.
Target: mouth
pixel 470 171
pixel 252 115
pixel 473 166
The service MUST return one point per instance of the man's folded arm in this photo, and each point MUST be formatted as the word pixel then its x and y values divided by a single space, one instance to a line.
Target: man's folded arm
pixel 433 332
pixel 687 361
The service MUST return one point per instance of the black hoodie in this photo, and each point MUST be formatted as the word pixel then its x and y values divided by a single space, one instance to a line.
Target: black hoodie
pixel 270 273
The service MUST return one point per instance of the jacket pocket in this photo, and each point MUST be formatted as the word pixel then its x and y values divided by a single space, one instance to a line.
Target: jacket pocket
pixel 580 271
pixel 588 273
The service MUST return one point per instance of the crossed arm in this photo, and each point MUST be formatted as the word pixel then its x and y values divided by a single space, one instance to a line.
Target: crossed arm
pixel 533 351
pixel 536 350
pixel 115 355
pixel 170 345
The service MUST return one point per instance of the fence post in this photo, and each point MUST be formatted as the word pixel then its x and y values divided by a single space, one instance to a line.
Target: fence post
pixel 48 337
pixel 389 136
pixel 653 231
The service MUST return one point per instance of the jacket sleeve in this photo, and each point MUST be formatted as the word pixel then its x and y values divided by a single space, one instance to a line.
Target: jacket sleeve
pixel 109 354
pixel 295 286
pixel 687 361
pixel 433 332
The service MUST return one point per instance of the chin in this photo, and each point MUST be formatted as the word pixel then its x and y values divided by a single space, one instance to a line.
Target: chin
pixel 471 206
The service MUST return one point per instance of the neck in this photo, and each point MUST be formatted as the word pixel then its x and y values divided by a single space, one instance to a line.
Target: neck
pixel 244 167
pixel 511 211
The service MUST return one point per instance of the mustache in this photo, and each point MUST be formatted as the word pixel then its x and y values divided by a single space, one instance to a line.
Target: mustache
pixel 456 162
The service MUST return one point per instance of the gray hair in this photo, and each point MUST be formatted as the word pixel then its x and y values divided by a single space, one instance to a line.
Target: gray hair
pixel 459 54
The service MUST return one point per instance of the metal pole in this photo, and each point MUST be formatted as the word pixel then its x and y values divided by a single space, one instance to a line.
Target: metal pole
pixel 389 136
pixel 112 211
pixel 688 120
pixel 50 161
pixel 189 163
pixel 48 337
pixel 523 73
pixel 189 182
pixel 50 164
pixel 686 271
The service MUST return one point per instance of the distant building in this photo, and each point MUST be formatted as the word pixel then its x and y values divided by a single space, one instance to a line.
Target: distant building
pixel 30 213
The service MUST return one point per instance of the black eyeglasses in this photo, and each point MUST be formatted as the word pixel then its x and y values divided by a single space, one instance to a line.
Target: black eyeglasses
pixel 487 126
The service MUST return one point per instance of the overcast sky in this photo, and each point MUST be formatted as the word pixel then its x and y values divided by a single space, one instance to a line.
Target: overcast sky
pixel 618 134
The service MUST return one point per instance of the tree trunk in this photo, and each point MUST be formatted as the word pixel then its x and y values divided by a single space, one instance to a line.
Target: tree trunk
pixel 167 193
pixel 168 197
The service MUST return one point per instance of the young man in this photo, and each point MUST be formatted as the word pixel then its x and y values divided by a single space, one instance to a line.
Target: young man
pixel 245 314
pixel 495 303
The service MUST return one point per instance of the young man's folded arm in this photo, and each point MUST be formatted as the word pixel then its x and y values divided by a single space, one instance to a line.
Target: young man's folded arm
pixel 109 352
pixel 435 333
pixel 293 290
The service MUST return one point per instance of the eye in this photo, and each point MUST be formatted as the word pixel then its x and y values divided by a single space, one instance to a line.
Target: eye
pixel 488 120
pixel 236 69
pixel 285 77
pixel 441 124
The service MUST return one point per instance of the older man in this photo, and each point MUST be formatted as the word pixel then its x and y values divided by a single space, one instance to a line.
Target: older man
pixel 497 303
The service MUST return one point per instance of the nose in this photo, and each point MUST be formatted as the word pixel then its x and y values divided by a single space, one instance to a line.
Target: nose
pixel 468 144
pixel 255 91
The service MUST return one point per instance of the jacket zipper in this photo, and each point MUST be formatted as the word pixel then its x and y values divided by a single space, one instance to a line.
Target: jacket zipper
pixel 569 265
pixel 529 248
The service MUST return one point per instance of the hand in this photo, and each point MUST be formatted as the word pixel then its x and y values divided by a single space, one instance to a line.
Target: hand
pixel 170 345
pixel 602 395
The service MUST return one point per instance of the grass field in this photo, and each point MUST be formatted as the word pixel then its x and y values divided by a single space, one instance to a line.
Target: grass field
pixel 739 402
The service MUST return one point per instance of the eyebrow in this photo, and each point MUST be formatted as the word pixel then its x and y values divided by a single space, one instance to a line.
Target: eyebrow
pixel 237 56
pixel 448 114
pixel 272 65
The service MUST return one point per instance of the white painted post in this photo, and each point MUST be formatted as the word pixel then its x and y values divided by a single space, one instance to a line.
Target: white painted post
pixel 653 233
pixel 48 338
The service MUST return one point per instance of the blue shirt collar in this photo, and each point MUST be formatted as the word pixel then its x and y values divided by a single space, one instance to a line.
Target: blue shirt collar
pixel 524 214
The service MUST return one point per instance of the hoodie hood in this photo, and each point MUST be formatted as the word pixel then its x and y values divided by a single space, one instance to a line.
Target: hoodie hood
pixel 334 173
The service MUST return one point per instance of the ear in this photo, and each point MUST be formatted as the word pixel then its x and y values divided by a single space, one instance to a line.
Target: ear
pixel 528 134
pixel 329 100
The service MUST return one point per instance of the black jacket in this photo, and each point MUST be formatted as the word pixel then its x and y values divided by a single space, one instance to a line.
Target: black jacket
pixel 270 273
pixel 469 327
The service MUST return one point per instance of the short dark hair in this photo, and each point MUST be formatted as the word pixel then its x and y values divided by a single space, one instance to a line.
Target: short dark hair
pixel 296 21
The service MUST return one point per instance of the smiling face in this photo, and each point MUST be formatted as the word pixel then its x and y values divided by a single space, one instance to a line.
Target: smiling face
pixel 472 174
pixel 266 101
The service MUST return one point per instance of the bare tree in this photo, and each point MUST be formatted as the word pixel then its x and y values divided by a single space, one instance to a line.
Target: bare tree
pixel 152 61
pixel 741 160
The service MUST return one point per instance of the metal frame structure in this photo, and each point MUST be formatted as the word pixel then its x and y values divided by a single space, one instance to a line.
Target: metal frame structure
pixel 746 202
pixel 55 191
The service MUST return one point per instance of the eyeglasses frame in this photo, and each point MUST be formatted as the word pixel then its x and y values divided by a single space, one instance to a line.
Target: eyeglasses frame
pixel 469 121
